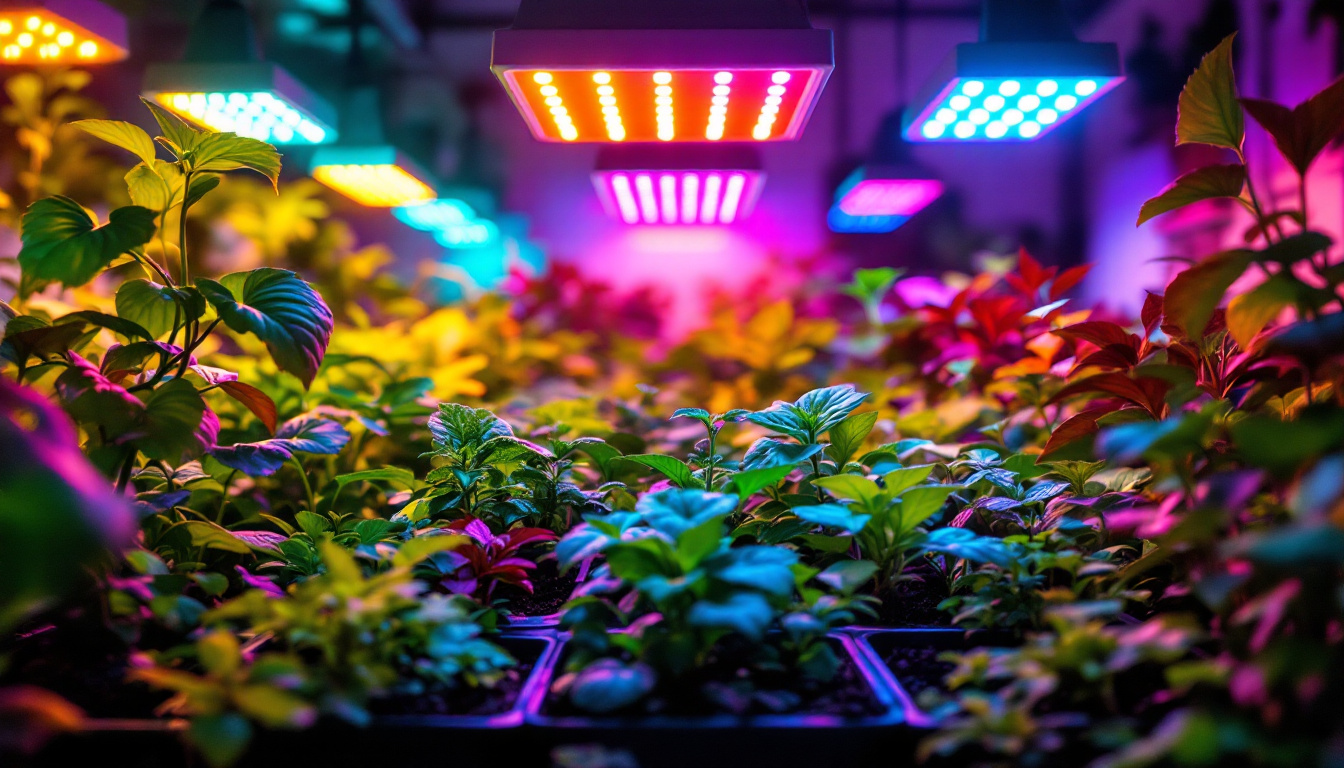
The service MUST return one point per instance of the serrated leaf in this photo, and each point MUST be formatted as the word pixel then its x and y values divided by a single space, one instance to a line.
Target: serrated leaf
pixel 1209 110
pixel 1303 132
pixel 847 437
pixel 128 136
pixel 219 152
pixel 1208 183
pixel 177 134
pixel 769 452
pixel 672 468
pixel 280 309
pixel 62 243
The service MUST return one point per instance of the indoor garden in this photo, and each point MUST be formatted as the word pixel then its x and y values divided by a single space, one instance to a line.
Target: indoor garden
pixel 404 391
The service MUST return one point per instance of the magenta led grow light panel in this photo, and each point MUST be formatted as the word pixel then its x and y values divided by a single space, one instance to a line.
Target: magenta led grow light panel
pixel 678 197
pixel 890 197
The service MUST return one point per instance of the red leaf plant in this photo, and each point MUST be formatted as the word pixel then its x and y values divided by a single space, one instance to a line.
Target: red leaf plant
pixel 488 560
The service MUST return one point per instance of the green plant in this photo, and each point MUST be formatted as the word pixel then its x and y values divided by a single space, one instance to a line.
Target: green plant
pixel 338 641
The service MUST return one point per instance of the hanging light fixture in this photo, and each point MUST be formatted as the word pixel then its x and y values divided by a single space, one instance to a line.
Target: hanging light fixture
pixel 691 185
pixel 683 71
pixel 364 166
pixel 224 84
pixel 1027 75
pixel 61 32
pixel 886 191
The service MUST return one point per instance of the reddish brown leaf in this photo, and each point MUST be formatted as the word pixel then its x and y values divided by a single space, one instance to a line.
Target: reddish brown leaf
pixel 1146 392
pixel 1101 333
pixel 1152 312
pixel 1303 132
pixel 1068 279
pixel 258 402
pixel 1194 294
pixel 1073 429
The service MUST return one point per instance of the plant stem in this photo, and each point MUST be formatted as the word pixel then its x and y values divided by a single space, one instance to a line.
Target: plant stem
pixel 709 465
pixel 307 486
pixel 182 228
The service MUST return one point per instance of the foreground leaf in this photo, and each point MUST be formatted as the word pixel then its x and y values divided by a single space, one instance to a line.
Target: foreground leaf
pixel 1209 110
pixel 62 243
pixel 280 309
pixel 1209 183
pixel 1195 293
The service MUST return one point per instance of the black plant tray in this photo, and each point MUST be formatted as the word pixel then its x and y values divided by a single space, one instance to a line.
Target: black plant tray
pixel 876 645
pixel 747 740
pixel 549 619
pixel 470 740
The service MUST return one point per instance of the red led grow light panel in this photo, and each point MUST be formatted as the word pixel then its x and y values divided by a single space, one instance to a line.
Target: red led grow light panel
pixel 685 105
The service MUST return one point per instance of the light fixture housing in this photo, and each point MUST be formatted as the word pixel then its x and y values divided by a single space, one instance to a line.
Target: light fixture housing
pixel 663 71
pixel 708 185
pixel 1027 75
pixel 379 176
pixel 224 85
pixel 61 32
pixel 886 191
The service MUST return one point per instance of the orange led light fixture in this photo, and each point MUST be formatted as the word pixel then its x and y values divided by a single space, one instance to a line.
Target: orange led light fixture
pixel 61 32
pixel 659 71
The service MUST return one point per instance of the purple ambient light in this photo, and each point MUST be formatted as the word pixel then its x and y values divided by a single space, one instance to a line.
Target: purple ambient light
pixel 678 197
pixel 890 197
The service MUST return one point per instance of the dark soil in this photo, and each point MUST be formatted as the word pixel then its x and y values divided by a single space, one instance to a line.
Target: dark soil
pixel 913 603
pixel 87 668
pixel 725 686
pixel 917 668
pixel 479 702
pixel 550 590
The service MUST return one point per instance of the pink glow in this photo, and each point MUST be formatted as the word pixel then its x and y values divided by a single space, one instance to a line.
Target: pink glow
pixel 678 197
pixel 890 197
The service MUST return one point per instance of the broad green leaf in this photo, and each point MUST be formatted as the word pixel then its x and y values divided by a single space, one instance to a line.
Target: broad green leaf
pixel 872 284
pixel 769 569
pixel 1209 110
pixel 695 544
pixel 62 243
pixel 1208 183
pixel 673 468
pixel 922 502
pixel 280 309
pixel 829 406
pixel 1195 293
pixel 607 685
pixel 228 151
pixel 1301 133
pixel 848 436
pixel 211 536
pixel 151 305
pixel 148 189
pixel 676 511
pixel 833 516
pixel 750 481
pixel 699 414
pixel 850 487
pixel 848 575
pixel 398 476
pixel 747 613
pixel 421 547
pixel 201 185
pixel 173 412
pixel 222 739
pixel 128 136
pixel 1250 312
pixel 456 427
pixel 895 483
pixel 219 653
pixel 769 452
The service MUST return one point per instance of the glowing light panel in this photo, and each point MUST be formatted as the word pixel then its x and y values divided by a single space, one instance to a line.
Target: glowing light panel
pixel 842 222
pixel 379 177
pixel 889 197
pixel 254 99
pixel 663 105
pixel 1005 108
pixel 453 222
pixel 56 32
pixel 678 197
pixel 261 115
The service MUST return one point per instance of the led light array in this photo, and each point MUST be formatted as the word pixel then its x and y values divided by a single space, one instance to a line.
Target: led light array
pixel 40 36
pixel 555 105
pixel 679 197
pixel 611 111
pixel 1005 109
pixel 377 186
pixel 650 105
pixel 765 124
pixel 453 222
pixel 259 115
pixel 890 197
pixel 842 222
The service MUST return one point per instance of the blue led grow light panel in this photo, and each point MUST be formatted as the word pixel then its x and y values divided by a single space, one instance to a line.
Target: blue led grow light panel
pixel 1005 108
pixel 259 115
